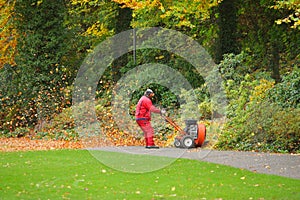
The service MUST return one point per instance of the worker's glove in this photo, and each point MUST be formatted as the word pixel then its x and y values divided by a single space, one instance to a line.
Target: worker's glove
pixel 163 111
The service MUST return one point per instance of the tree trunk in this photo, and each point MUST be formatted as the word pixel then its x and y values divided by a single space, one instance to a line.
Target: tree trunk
pixel 123 23
pixel 227 23
pixel 274 62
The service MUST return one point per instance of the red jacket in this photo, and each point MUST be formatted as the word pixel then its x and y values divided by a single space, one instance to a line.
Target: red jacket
pixel 144 109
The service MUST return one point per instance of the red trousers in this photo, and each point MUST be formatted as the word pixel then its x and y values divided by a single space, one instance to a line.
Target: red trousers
pixel 147 130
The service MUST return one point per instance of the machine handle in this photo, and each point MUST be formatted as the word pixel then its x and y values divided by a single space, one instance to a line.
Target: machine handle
pixel 178 128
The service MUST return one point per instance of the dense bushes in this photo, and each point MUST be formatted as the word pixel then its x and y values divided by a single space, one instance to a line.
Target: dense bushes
pixel 37 86
pixel 263 127
pixel 262 116
pixel 61 127
pixel 287 93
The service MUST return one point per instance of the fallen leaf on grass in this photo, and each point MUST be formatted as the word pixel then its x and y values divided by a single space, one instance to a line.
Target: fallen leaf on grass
pixel 26 144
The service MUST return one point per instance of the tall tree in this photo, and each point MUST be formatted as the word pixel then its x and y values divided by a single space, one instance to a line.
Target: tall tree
pixel 123 20
pixel 292 17
pixel 98 19
pixel 94 20
pixel 169 14
pixel 268 42
pixel 227 25
pixel 186 16
pixel 41 47
pixel 8 33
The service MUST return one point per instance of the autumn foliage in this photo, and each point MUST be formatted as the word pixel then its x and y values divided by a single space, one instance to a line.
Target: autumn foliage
pixel 40 58
pixel 27 144
pixel 8 34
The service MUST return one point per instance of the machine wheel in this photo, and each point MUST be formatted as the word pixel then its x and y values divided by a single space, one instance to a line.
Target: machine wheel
pixel 177 143
pixel 201 135
pixel 188 142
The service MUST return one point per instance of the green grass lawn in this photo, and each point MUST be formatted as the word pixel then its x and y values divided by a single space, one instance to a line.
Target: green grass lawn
pixel 75 174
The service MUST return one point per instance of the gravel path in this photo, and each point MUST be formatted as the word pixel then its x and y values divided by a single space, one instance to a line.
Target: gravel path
pixel 287 165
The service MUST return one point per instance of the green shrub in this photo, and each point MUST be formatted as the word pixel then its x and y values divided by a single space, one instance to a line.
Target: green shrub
pixel 18 132
pixel 256 121
pixel 265 127
pixel 287 93
pixel 235 67
pixel 62 121
pixel 205 109
pixel 61 127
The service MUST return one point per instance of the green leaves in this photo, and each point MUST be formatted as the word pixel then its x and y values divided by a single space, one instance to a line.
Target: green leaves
pixel 173 14
pixel 263 116
pixel 292 19
pixel 287 93
pixel 36 87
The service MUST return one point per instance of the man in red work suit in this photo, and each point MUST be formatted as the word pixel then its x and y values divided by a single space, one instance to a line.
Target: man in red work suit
pixel 143 117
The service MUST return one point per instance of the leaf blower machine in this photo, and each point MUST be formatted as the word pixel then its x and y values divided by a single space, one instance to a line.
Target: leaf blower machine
pixel 193 135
